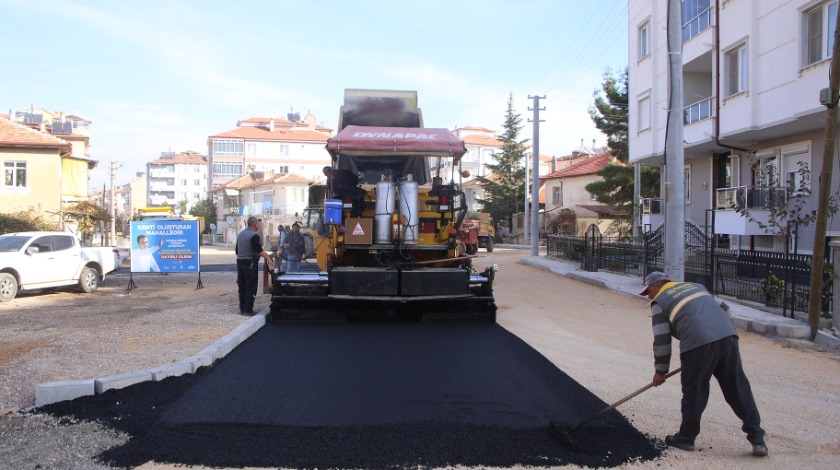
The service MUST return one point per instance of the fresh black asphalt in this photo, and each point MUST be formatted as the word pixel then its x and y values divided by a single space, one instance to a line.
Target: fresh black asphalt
pixel 366 395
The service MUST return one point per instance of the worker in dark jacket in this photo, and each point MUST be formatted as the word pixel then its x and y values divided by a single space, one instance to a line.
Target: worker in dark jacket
pixel 344 184
pixel 294 248
pixel 708 347
pixel 248 252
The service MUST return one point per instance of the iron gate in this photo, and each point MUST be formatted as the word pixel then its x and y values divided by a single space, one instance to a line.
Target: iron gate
pixel 592 249
pixel 698 254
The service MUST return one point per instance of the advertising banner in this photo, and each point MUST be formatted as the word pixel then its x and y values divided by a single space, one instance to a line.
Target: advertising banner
pixel 164 246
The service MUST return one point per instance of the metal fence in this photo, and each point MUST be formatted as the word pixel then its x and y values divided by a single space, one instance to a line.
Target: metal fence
pixel 774 279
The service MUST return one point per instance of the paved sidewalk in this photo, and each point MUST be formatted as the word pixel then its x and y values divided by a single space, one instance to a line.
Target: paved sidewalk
pixel 745 317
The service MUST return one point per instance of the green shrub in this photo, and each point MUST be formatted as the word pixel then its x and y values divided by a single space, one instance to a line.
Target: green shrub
pixel 25 222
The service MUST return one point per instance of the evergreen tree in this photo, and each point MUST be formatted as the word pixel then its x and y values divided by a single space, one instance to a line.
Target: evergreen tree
pixel 504 190
pixel 206 209
pixel 609 113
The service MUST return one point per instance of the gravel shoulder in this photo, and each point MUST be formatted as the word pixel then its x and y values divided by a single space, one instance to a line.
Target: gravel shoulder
pixel 599 338
pixel 66 335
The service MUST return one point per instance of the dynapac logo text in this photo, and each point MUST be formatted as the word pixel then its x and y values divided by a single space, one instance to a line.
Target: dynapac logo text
pixel 394 135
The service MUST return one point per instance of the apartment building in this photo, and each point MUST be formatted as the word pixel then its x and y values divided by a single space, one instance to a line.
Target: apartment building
pixel 275 199
pixel 175 178
pixel 41 170
pixel 269 144
pixel 752 116
pixel 136 193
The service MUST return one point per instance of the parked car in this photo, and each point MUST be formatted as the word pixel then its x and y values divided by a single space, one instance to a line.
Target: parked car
pixel 38 260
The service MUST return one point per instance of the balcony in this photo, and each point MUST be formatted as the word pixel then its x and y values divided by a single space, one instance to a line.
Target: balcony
pixel 650 213
pixel 698 111
pixel 162 173
pixel 743 210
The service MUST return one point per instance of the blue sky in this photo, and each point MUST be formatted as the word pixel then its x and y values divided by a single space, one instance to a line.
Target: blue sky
pixel 163 75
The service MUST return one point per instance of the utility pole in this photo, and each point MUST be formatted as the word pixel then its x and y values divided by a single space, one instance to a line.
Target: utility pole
pixel 535 181
pixel 526 227
pixel 113 240
pixel 818 259
pixel 674 151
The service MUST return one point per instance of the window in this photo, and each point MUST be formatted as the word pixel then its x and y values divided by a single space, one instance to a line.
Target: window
pixel 695 17
pixel 196 182
pixel 818 26
pixel 644 112
pixel 687 183
pixel 644 40
pixel 252 149
pixel 797 164
pixel 736 70
pixel 557 195
pixel 14 174
pixel 765 170
pixel 227 170
pixel 43 244
pixel 63 242
pixel 227 148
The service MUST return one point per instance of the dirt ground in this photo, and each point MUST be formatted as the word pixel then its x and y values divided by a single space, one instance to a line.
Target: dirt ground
pixel 601 339
pixel 67 335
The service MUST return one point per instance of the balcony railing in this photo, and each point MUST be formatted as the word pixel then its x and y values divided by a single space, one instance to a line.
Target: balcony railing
pixel 698 111
pixel 697 24
pixel 751 198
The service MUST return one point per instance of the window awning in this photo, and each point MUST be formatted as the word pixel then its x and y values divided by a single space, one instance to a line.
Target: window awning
pixel 232 192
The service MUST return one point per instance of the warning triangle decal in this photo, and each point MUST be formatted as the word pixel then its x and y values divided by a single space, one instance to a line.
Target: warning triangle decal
pixel 358 230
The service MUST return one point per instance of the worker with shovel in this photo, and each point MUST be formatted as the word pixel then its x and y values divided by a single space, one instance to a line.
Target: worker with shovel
pixel 708 347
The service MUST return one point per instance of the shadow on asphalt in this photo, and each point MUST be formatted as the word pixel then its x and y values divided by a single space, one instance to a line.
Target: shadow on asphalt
pixel 365 395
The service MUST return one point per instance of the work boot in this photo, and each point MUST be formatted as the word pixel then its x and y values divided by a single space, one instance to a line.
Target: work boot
pixel 760 450
pixel 674 441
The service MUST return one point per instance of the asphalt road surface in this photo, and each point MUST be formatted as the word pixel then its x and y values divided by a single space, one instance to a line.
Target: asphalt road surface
pixel 366 395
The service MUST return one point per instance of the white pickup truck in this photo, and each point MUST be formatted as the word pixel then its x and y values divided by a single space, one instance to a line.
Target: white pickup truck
pixel 39 260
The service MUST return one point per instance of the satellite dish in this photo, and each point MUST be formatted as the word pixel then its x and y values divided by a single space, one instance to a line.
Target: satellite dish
pixel 229 220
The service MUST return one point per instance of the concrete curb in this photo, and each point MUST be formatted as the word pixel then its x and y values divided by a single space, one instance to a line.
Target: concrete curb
pixel 53 392
pixel 826 340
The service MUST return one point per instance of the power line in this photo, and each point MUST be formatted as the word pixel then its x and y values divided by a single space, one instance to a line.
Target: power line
pixel 583 52
pixel 566 50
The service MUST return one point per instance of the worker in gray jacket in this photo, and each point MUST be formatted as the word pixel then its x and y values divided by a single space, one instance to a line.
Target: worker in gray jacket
pixel 708 347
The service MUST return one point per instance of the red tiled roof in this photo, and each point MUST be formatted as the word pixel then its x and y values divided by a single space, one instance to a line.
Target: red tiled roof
pixel 476 128
pixel 189 157
pixel 279 122
pixel 471 183
pixel 487 141
pixel 18 135
pixel 259 133
pixel 257 178
pixel 586 167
